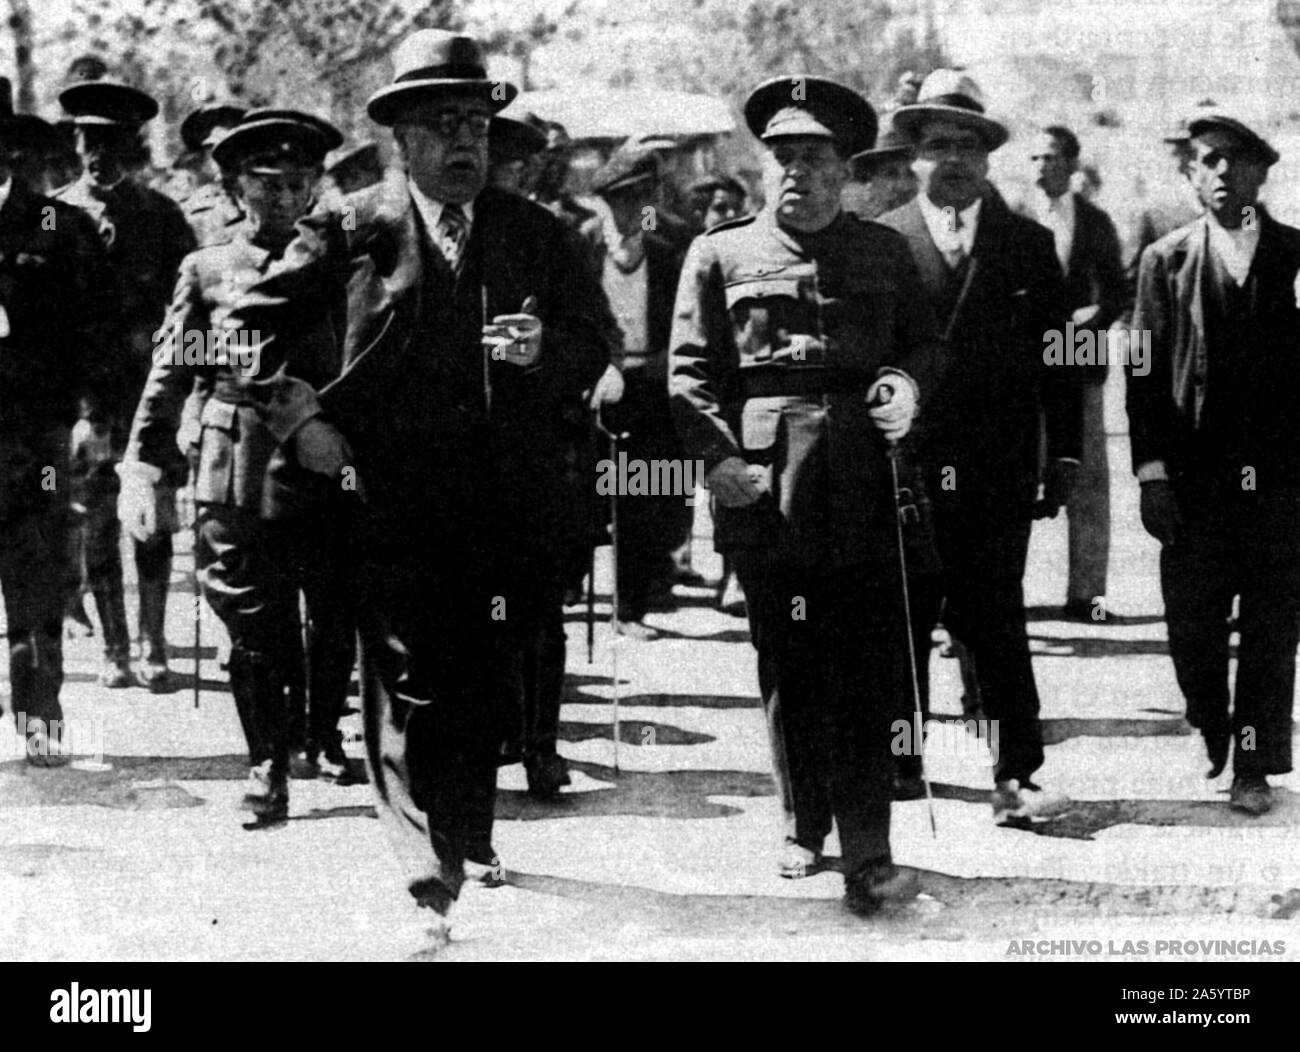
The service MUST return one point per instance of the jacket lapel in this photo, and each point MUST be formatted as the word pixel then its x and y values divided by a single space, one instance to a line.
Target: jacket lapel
pixel 934 271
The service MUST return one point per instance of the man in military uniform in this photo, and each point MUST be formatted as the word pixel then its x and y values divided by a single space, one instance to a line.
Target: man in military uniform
pixel 210 210
pixel 53 316
pixel 146 237
pixel 246 564
pixel 459 323
pixel 799 349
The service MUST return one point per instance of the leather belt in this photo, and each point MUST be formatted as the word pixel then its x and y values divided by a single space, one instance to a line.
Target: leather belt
pixel 786 382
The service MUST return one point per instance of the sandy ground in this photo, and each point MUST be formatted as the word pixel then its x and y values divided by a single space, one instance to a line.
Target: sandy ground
pixel 672 857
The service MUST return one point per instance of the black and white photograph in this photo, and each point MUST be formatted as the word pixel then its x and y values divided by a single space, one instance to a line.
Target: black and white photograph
pixel 675 481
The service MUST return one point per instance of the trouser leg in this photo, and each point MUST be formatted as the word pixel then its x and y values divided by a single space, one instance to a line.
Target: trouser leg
pixel 103 536
pixel 1196 579
pixel 788 680
pixel 1088 511
pixel 153 565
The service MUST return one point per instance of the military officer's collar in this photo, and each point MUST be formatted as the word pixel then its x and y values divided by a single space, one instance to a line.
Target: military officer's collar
pixel 798 240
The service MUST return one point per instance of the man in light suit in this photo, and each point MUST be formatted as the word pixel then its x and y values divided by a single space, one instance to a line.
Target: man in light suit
pixel 1215 432
pixel 1088 249
pixel 426 414
pixel 993 280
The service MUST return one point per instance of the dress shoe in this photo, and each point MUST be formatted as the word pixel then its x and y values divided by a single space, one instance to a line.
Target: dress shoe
pixel 156 677
pixel 638 630
pixel 796 861
pixel 485 874
pixel 434 902
pixel 1251 794
pixel 546 772
pixel 77 621
pixel 42 750
pixel 1217 745
pixel 1017 803
pixel 116 675
pixel 867 891
pixel 266 794
pixel 909 787
pixel 731 599
pixel 330 764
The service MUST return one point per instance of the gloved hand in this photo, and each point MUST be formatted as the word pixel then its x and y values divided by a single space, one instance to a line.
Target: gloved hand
pixel 608 389
pixel 1160 515
pixel 731 483
pixel 894 403
pixel 321 448
pixel 137 503
pixel 1057 487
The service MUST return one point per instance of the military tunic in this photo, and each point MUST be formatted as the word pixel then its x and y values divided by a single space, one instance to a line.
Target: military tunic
pixel 777 337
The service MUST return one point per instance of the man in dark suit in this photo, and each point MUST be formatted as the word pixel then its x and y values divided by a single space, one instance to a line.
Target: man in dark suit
pixel 427 416
pixel 788 328
pixel 639 269
pixel 54 317
pixel 993 280
pixel 1088 250
pixel 1214 415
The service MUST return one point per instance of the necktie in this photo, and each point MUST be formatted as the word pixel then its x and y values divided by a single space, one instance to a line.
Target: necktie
pixel 454 230
pixel 954 253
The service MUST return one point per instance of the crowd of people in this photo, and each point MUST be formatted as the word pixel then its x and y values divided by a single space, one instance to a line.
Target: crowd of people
pixel 405 379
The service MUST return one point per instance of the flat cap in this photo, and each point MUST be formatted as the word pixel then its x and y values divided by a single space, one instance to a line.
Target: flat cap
pixel 1209 117
pixel 625 168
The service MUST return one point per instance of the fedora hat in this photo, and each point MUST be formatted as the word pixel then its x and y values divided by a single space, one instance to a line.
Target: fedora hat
pixel 1203 119
pixel 514 138
pixel 274 137
pixel 891 144
pixel 949 94
pixel 199 126
pixel 107 102
pixel 436 62
pixel 806 105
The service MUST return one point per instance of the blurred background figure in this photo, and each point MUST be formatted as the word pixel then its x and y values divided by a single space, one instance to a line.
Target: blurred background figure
pixel 211 209
pixel 882 176
pixel 512 147
pixel 639 271
pixel 714 199
pixel 352 169
pixel 1088 250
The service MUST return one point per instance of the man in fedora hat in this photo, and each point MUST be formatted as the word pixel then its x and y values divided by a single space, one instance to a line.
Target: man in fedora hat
pixel 882 176
pixel 788 329
pixel 460 321
pixel 993 281
pixel 1216 448
pixel 211 210
pixel 146 237
pixel 54 313
pixel 250 569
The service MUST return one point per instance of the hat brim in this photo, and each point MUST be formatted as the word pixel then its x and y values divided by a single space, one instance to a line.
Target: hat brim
pixel 385 105
pixel 106 102
pixel 241 141
pixel 858 117
pixel 909 119
pixel 197 128
pixel 1260 145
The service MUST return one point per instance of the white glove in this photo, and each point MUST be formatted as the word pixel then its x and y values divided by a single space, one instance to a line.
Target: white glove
pixel 137 503
pixel 609 388
pixel 893 400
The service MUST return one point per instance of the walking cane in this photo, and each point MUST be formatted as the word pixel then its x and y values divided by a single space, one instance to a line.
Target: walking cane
pixel 487 354
pixel 891 452
pixel 591 606
pixel 613 612
pixel 198 614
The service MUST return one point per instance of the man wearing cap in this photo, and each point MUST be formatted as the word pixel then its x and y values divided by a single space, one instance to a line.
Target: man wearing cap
pixel 1215 431
pixel 54 313
pixel 882 176
pixel 800 348
pixel 1088 249
pixel 714 199
pixel 146 237
pixel 461 323
pixel 250 569
pixel 211 210
pixel 993 281
pixel 639 269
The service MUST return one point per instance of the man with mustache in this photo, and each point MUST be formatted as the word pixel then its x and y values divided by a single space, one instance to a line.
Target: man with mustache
pixel 1215 432
pixel 146 237
pixel 799 349
pixel 427 421
pixel 993 281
